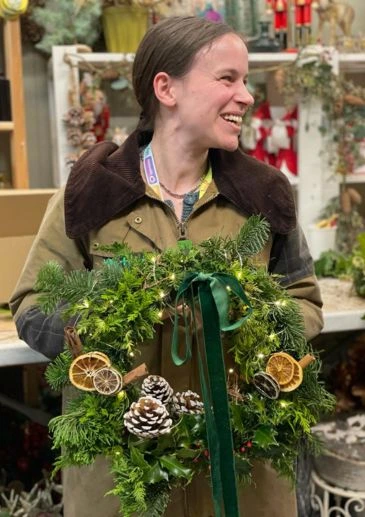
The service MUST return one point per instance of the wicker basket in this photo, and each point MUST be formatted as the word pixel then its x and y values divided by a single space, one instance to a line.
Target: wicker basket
pixel 347 473
pixel 124 26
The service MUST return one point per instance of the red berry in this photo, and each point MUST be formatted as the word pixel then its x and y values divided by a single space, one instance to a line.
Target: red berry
pixel 242 449
pixel 249 444
pixel 206 453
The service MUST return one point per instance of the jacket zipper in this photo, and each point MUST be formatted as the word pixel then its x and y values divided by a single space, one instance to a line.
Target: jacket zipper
pixel 182 225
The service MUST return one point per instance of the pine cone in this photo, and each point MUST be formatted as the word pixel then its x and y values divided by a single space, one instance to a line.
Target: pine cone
pixel 187 402
pixel 157 387
pixel 147 418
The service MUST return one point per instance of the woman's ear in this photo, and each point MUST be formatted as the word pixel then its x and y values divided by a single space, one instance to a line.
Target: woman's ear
pixel 164 90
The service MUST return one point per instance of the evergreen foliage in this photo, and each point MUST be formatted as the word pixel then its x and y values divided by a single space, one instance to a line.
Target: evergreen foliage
pixel 120 306
pixel 67 22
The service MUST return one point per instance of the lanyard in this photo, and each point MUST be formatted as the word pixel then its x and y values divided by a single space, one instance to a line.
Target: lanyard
pixel 152 176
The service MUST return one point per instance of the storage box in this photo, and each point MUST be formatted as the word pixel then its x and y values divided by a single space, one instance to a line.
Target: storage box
pixel 21 212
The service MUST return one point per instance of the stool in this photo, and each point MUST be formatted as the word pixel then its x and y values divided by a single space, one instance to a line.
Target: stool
pixel 348 503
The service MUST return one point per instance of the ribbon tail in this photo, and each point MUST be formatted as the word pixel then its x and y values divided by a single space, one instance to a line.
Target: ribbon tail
pixel 219 400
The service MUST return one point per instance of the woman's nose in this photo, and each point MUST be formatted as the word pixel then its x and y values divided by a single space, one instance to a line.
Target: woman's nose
pixel 244 96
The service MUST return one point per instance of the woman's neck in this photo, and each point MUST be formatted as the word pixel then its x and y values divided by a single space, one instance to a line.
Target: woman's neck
pixel 179 167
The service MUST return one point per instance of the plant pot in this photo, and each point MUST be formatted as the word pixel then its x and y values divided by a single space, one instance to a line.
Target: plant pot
pixel 124 27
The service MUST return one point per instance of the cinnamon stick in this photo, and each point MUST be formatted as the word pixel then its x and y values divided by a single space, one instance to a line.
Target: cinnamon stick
pixel 73 341
pixel 135 374
pixel 306 360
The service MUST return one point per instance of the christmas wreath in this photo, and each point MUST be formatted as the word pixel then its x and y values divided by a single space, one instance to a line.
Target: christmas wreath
pixel 156 438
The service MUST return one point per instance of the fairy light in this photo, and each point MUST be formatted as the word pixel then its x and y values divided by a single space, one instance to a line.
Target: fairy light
pixel 162 294
pixel 260 355
pixel 230 371
pixel 239 275
pixel 131 354
pixel 228 288
pixel 153 260
pixel 284 403
pixel 160 314
pixel 272 336
pixel 172 276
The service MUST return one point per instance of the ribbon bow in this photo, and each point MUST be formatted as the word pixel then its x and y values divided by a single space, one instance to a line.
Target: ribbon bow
pixel 213 293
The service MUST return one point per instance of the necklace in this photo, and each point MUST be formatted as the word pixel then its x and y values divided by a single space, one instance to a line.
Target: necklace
pixel 150 172
pixel 181 196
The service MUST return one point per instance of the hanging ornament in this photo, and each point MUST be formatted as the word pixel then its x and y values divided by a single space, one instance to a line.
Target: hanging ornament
pixel 148 418
pixel 157 387
pixel 267 385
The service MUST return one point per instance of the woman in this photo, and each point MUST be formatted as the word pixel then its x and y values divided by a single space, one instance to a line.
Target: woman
pixel 179 176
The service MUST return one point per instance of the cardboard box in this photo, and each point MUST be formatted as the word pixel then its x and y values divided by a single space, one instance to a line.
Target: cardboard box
pixel 21 213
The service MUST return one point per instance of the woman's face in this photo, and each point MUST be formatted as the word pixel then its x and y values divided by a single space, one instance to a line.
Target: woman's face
pixel 212 97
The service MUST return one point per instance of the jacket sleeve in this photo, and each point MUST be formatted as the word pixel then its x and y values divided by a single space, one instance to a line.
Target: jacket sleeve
pixel 44 333
pixel 290 258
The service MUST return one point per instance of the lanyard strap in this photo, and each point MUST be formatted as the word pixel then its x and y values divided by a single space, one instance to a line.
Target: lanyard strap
pixel 212 293
pixel 152 176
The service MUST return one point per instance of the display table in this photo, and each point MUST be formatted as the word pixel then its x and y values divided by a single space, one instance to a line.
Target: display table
pixel 332 501
pixel 14 351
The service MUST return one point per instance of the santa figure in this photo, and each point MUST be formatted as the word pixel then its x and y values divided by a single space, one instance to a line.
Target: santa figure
pixel 282 142
pixel 254 134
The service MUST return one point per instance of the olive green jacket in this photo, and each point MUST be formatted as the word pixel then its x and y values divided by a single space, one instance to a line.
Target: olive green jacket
pixel 106 200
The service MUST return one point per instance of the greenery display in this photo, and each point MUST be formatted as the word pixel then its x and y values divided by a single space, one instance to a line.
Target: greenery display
pixel 345 265
pixel 67 22
pixel 119 306
pixel 311 76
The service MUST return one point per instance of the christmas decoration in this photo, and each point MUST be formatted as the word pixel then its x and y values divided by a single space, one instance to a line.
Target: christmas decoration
pixel 157 387
pixel 119 305
pixel 67 22
pixel 148 418
pixel 107 381
pixel 311 77
pixel 83 368
pixel 297 379
pixel 267 385
pixel 187 402
pixel 281 366
pixel 281 142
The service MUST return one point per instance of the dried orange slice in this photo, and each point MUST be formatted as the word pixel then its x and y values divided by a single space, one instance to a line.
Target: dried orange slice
pixel 107 381
pixel 297 379
pixel 281 366
pixel 102 355
pixel 83 368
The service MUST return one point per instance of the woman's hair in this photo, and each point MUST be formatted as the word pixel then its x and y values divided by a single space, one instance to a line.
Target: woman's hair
pixel 170 46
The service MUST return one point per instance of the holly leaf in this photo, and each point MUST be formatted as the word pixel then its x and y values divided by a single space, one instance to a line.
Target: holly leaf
pixel 155 474
pixel 138 459
pixel 264 437
pixel 186 453
pixel 175 468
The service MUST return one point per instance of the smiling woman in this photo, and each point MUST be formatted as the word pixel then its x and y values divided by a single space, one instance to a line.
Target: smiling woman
pixel 178 180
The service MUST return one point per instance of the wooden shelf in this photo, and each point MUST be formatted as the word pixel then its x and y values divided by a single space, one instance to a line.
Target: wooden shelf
pixel 6 126
pixel 14 72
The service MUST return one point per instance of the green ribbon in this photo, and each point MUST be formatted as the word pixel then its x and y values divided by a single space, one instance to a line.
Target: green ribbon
pixel 213 293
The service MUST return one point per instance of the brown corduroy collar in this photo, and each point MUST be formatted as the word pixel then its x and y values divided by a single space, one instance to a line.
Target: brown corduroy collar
pixel 106 182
